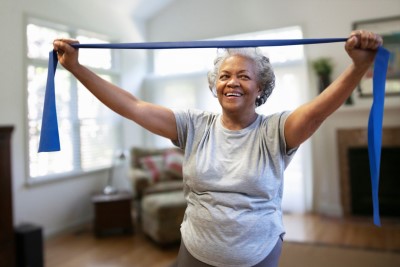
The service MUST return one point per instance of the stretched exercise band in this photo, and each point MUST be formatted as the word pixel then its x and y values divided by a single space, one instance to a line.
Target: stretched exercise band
pixel 49 138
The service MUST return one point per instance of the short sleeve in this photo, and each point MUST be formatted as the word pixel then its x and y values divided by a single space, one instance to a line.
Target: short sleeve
pixel 182 120
pixel 287 154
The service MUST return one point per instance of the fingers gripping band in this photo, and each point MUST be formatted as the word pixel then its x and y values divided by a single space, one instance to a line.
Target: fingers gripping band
pixel 49 138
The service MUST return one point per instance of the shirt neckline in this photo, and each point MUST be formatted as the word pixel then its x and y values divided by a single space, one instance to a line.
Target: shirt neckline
pixel 226 130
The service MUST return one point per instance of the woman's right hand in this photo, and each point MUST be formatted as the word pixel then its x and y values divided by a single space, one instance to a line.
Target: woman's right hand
pixel 66 54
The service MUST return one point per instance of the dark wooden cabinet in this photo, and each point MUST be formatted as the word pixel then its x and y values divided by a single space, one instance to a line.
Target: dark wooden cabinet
pixel 7 244
pixel 112 213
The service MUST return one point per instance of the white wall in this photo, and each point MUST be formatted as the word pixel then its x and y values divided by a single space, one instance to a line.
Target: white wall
pixel 58 205
pixel 193 19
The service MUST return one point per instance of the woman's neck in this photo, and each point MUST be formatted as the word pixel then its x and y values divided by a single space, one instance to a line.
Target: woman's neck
pixel 234 122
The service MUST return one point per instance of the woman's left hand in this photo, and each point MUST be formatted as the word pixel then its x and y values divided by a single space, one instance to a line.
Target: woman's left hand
pixel 362 47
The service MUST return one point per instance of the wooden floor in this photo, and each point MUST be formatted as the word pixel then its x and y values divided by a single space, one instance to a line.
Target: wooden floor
pixel 81 249
pixel 354 232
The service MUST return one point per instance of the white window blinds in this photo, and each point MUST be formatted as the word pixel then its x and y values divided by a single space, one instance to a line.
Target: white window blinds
pixel 89 131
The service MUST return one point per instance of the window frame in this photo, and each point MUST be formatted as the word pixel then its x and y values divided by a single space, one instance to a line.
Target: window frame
pixel 115 75
pixel 158 57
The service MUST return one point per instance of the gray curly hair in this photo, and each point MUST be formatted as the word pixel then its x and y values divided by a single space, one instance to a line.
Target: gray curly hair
pixel 265 73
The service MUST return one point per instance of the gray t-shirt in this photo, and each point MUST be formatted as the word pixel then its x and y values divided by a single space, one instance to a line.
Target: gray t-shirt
pixel 233 183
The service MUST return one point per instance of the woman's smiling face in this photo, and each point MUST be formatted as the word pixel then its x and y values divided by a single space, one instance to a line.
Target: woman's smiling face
pixel 237 84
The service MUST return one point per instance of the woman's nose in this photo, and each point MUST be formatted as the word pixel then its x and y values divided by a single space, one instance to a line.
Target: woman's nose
pixel 233 82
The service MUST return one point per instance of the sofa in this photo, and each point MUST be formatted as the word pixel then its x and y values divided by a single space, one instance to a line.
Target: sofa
pixel 156 177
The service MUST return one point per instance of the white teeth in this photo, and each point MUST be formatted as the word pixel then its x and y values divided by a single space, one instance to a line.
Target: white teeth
pixel 233 94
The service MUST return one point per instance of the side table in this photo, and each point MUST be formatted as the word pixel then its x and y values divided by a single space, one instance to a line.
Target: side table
pixel 112 213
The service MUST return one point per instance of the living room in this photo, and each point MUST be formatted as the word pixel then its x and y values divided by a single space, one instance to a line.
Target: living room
pixel 62 204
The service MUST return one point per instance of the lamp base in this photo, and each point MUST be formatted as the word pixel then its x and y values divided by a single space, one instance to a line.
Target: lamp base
pixel 109 190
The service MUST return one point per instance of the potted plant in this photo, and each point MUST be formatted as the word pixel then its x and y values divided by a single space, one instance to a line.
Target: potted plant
pixel 323 67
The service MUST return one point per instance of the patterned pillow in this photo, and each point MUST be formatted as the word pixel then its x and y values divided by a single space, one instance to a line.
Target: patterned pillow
pixel 154 165
pixel 173 162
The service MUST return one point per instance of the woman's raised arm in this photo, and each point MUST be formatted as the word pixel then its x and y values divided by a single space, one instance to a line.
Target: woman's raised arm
pixel 304 121
pixel 155 118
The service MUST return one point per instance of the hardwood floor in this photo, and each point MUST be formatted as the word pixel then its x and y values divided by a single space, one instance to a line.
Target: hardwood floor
pixel 353 232
pixel 82 249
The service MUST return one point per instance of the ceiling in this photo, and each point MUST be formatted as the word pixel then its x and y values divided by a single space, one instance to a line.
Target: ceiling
pixel 141 9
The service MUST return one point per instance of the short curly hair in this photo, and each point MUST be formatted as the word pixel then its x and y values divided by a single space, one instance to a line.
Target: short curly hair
pixel 265 73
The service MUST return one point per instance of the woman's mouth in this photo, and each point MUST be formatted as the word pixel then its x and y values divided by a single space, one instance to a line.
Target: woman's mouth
pixel 233 94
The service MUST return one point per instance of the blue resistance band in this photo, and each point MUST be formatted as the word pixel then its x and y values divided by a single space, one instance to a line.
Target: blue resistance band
pixel 50 141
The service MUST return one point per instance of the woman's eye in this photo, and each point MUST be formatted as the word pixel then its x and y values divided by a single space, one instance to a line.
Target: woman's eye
pixel 244 77
pixel 223 77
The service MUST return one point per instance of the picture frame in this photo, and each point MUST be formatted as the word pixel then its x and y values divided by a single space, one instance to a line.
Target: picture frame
pixel 389 29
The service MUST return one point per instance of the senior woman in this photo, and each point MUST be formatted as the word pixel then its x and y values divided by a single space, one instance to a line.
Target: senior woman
pixel 234 161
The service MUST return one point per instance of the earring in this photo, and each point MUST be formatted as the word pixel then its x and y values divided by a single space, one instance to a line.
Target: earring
pixel 259 101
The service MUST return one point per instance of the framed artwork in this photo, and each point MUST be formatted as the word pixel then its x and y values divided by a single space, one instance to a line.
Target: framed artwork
pixel 389 29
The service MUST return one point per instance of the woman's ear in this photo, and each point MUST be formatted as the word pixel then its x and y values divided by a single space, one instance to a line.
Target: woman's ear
pixel 214 91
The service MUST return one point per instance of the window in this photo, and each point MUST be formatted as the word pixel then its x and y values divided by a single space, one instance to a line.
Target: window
pixel 197 60
pixel 89 131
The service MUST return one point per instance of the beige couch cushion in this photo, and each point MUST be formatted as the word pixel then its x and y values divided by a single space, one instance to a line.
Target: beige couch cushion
pixel 161 206
pixel 162 215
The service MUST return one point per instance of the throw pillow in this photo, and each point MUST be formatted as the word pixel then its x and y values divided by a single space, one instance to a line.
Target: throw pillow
pixel 173 160
pixel 154 165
